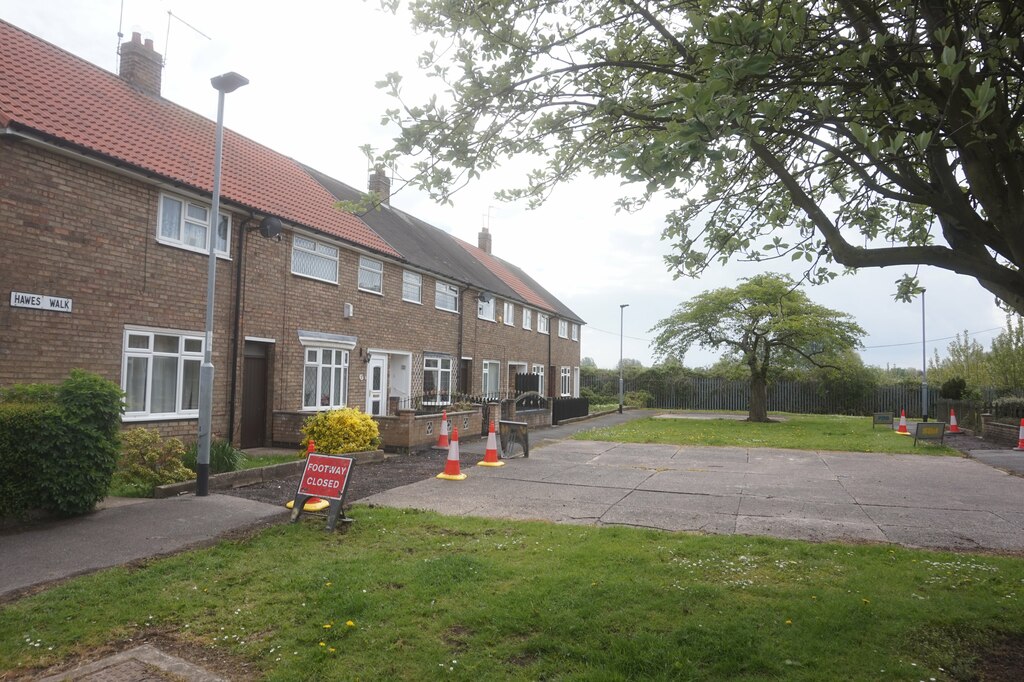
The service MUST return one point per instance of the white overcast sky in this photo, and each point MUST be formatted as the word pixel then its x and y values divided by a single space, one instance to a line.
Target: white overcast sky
pixel 312 67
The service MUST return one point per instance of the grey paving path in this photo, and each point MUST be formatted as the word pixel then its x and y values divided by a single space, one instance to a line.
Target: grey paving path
pixel 119 534
pixel 912 500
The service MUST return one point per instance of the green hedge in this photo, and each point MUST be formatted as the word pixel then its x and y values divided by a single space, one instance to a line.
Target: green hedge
pixel 58 444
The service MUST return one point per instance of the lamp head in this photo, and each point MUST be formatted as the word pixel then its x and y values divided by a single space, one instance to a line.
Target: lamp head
pixel 228 82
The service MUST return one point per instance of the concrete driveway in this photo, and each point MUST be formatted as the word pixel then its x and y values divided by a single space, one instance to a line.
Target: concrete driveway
pixel 911 500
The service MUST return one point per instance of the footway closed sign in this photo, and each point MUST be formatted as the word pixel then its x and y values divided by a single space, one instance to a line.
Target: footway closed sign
pixel 325 477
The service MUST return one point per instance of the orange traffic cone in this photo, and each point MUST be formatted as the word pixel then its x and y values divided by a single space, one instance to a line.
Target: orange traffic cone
pixel 442 439
pixel 953 428
pixel 1020 436
pixel 491 453
pixel 902 430
pixel 451 467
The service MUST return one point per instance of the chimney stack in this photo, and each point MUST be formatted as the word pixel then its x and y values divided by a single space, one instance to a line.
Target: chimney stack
pixel 483 240
pixel 380 185
pixel 141 65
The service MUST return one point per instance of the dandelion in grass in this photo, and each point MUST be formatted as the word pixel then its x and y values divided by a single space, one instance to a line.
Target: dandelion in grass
pixel 327 626
pixel 323 643
pixel 350 623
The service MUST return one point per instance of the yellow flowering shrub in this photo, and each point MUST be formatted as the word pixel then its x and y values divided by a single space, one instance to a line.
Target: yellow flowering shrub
pixel 336 432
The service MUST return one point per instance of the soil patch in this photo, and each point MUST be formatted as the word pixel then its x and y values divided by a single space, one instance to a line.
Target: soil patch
pixel 366 479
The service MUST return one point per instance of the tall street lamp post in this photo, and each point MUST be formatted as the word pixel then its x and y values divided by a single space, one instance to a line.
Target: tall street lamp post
pixel 622 312
pixel 223 84
pixel 924 366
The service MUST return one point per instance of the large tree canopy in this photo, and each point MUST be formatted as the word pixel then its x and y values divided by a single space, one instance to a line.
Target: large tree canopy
pixel 765 320
pixel 859 132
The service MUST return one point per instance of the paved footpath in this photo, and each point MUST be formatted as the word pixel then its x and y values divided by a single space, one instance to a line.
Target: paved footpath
pixel 911 500
pixel 121 534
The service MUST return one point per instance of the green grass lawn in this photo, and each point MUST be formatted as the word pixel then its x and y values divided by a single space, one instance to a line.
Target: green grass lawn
pixel 797 431
pixel 416 596
pixel 256 462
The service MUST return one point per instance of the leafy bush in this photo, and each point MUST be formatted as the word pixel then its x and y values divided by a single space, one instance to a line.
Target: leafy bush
pixel 58 444
pixel 953 388
pixel 336 432
pixel 148 461
pixel 638 399
pixel 1008 409
pixel 224 457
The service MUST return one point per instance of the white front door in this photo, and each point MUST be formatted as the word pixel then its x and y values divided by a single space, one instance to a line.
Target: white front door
pixel 377 385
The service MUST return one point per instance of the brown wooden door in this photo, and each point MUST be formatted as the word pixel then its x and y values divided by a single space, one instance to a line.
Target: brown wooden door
pixel 254 400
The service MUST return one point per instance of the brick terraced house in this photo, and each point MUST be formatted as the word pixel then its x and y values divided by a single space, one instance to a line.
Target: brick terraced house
pixel 105 201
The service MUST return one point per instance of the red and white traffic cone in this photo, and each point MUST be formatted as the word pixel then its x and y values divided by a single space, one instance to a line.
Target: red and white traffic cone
pixel 953 428
pixel 902 430
pixel 312 503
pixel 451 466
pixel 442 439
pixel 1020 436
pixel 491 453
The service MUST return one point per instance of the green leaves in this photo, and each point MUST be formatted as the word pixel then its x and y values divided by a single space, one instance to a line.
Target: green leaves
pixel 863 121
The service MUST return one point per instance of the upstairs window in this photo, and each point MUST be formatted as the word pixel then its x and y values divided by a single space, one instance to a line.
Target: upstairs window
pixel 485 308
pixel 314 259
pixel 575 332
pixel 412 287
pixel 371 275
pixel 527 318
pixel 446 297
pixel 186 224
pixel 563 329
pixel 509 314
pixel 542 323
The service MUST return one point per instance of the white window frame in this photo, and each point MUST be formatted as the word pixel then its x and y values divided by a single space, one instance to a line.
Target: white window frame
pixel 565 384
pixel 543 323
pixel 539 371
pixel 444 289
pixel 373 270
pixel 527 318
pixel 485 309
pixel 490 368
pixel 412 279
pixel 435 364
pixel 575 329
pixel 184 221
pixel 509 316
pixel 190 350
pixel 319 249
pixel 563 329
pixel 314 356
pixel 575 382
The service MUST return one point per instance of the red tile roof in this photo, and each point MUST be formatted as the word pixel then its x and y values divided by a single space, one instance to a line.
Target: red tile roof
pixel 505 275
pixel 47 90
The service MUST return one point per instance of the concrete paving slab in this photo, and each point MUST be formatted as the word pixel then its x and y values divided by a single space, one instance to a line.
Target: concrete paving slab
pixel 795 487
pixel 810 529
pixel 664 501
pixel 777 507
pixel 609 477
pixel 696 481
pixel 671 520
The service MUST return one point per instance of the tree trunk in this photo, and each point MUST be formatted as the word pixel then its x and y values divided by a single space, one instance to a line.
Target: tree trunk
pixel 758 398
